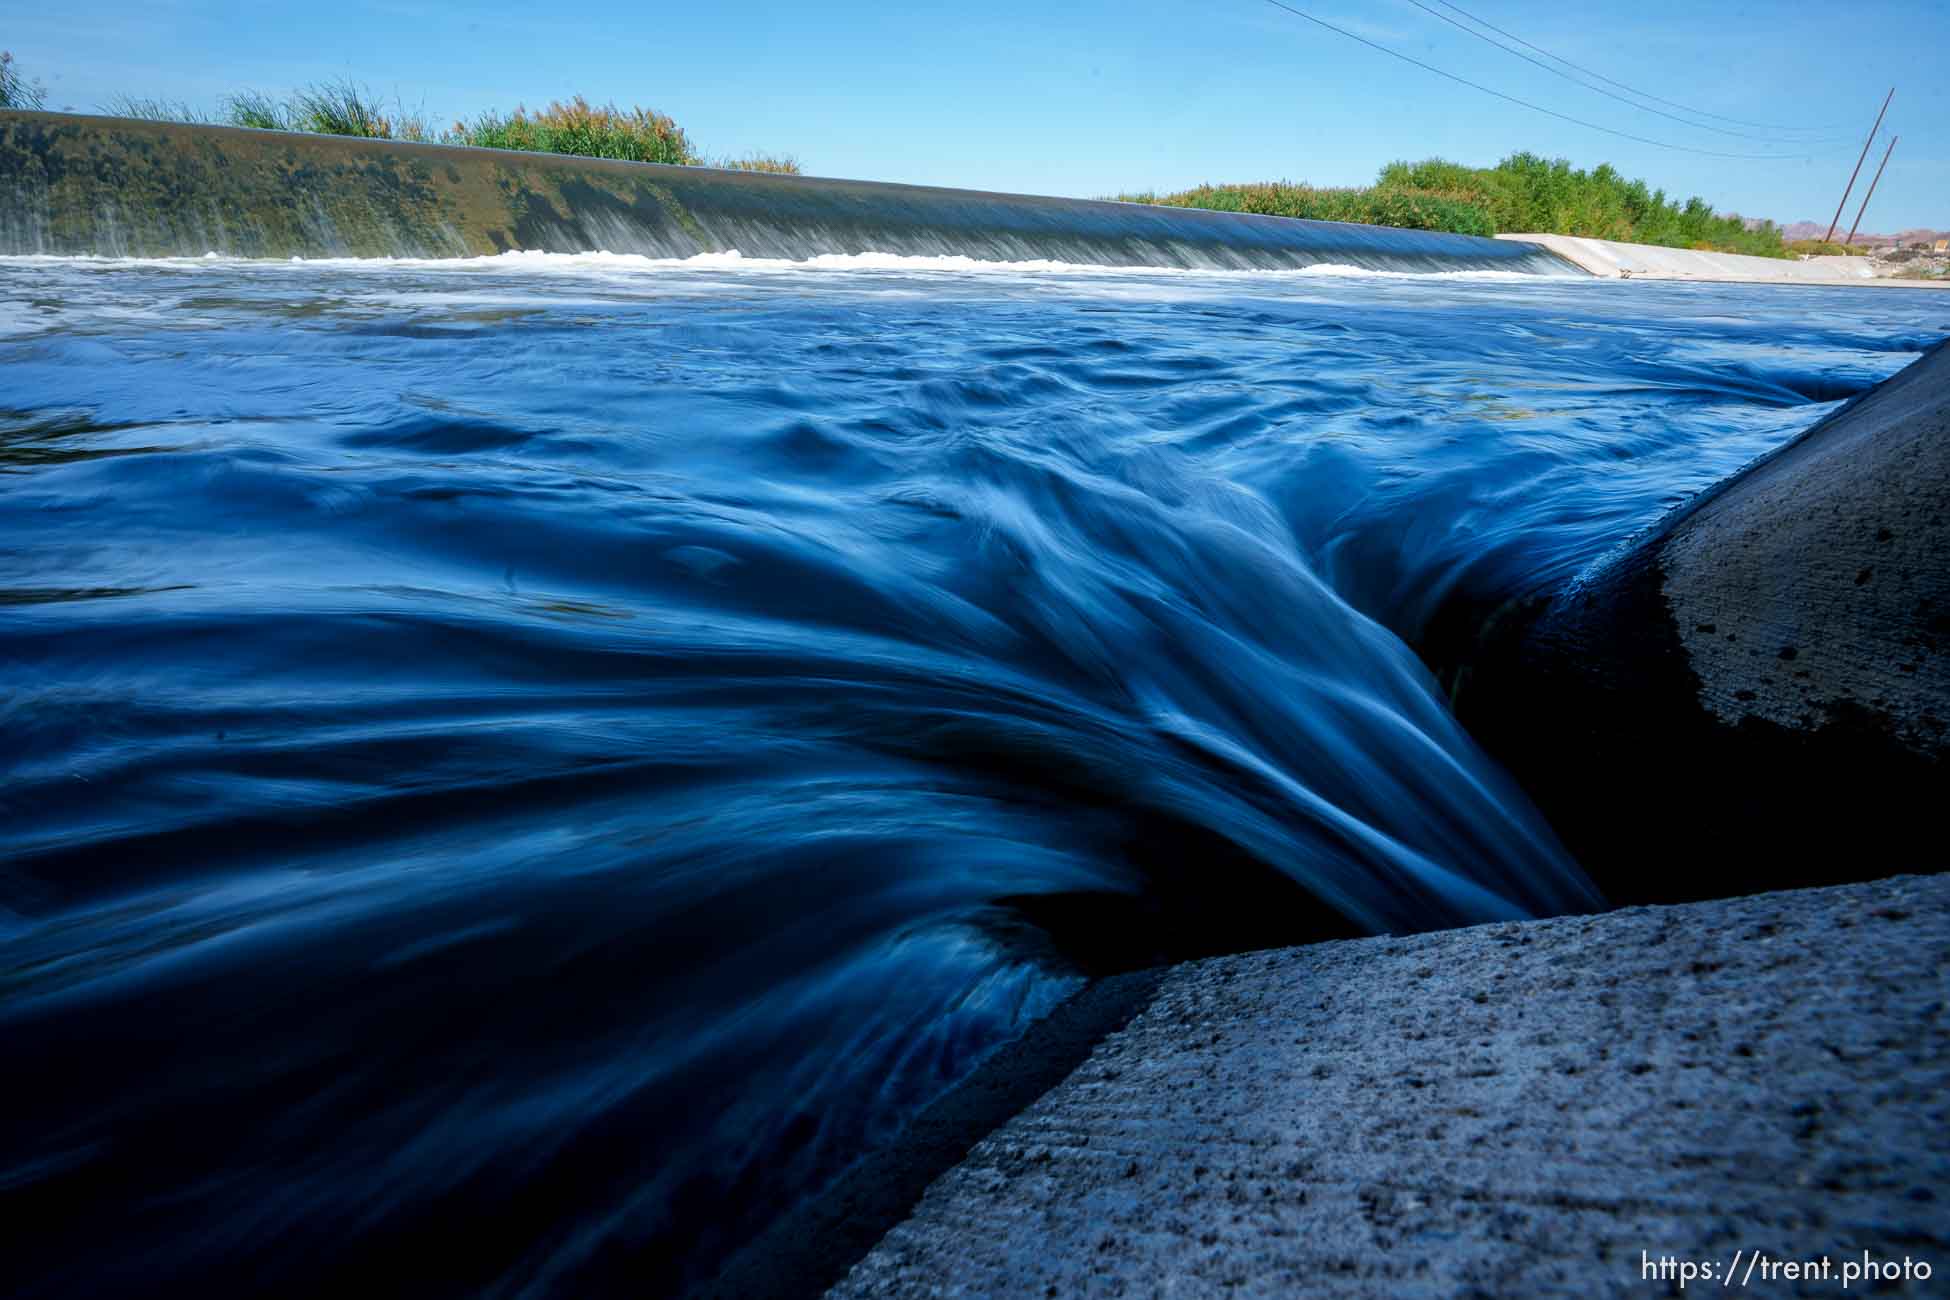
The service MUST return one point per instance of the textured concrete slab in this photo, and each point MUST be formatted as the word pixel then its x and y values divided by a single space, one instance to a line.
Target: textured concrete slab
pixel 1539 1108
pixel 1818 582
pixel 1620 261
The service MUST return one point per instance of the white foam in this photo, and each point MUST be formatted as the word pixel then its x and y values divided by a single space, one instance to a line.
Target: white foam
pixel 627 263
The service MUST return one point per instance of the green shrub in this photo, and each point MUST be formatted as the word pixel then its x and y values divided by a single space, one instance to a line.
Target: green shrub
pixel 783 164
pixel 16 91
pixel 576 127
pixel 1526 192
pixel 1406 208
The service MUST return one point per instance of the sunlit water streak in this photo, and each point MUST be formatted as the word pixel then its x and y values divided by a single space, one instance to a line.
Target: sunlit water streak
pixel 523 766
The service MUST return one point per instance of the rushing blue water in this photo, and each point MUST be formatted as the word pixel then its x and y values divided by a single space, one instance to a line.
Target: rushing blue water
pixel 525 766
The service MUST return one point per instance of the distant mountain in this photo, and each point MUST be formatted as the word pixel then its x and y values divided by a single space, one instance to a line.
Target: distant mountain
pixel 1816 229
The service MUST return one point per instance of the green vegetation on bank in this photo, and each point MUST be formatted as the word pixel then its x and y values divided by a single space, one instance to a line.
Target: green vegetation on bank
pixel 576 128
pixel 1409 209
pixel 329 108
pixel 1527 193
pixel 346 107
pixel 249 108
pixel 1523 193
pixel 779 164
pixel 154 110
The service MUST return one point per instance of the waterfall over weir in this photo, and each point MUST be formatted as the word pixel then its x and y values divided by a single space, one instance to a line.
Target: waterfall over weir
pixel 116 187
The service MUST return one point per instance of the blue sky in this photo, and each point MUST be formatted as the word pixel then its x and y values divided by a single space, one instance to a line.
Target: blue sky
pixel 1088 97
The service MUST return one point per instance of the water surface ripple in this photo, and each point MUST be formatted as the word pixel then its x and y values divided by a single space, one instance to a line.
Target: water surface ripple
pixel 515 770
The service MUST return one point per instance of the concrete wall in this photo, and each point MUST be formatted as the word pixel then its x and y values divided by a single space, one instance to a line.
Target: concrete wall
pixel 1757 693
pixel 78 185
pixel 1619 261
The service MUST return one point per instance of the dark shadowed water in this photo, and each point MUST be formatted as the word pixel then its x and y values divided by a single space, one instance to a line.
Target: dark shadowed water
pixel 516 770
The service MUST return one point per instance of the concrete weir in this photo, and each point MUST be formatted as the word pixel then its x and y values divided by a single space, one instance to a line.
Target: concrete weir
pixel 1758 692
pixel 1559 1107
pixel 117 187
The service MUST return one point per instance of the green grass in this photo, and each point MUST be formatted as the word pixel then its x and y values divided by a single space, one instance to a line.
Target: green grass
pixel 577 127
pixel 1523 193
pixel 328 108
pixel 153 110
pixel 16 91
pixel 338 108
pixel 254 109
pixel 346 107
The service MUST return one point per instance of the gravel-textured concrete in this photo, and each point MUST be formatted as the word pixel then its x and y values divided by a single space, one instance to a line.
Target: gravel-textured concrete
pixel 1516 1109
pixel 1816 581
pixel 1756 693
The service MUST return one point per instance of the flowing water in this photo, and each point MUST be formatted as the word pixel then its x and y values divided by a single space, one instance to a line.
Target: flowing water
pixel 528 765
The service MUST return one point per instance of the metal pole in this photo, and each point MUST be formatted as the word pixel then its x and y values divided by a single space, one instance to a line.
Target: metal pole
pixel 1829 237
pixel 1872 188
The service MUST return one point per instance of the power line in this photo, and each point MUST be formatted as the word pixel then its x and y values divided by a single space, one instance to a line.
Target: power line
pixel 1524 103
pixel 1576 81
pixel 1699 112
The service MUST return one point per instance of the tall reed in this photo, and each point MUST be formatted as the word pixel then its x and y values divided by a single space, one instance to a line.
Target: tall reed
pixel 16 91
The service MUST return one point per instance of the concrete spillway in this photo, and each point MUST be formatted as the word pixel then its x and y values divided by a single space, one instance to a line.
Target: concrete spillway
pixel 117 187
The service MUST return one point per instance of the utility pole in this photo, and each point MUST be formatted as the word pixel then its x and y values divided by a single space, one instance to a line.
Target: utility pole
pixel 1829 237
pixel 1872 188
